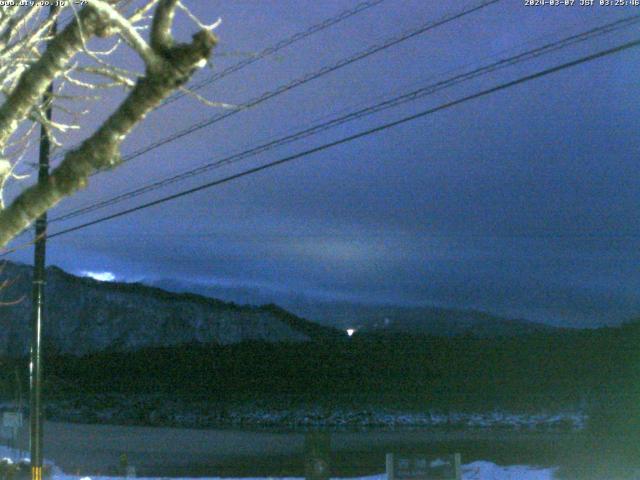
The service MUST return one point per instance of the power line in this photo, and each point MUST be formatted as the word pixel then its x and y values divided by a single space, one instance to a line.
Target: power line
pixel 309 77
pixel 296 37
pixel 424 113
pixel 345 14
pixel 384 105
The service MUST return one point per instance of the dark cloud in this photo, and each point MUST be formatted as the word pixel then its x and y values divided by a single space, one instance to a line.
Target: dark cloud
pixel 523 203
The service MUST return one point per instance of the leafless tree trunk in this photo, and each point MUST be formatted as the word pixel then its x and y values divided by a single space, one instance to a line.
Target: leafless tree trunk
pixel 30 61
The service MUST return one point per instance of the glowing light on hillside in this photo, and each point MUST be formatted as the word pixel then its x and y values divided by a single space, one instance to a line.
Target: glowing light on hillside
pixel 99 276
pixel 351 331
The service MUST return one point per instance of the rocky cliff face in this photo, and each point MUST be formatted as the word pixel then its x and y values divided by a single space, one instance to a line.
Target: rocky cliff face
pixel 84 315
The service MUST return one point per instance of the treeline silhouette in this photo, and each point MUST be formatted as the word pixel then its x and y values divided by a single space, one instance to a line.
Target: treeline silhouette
pixel 598 368
pixel 574 363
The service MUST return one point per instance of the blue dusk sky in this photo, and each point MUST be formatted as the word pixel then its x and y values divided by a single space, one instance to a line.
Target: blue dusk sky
pixel 522 203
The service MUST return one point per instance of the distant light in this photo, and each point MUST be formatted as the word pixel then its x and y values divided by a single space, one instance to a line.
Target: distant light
pixel 99 276
pixel 351 331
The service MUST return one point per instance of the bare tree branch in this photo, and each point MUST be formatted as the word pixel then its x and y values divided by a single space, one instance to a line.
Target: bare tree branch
pixel 168 67
pixel 34 81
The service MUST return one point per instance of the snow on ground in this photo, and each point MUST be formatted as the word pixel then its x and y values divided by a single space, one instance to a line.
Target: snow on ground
pixel 158 410
pixel 392 419
pixel 480 470
pixel 472 471
pixel 251 415
pixel 491 471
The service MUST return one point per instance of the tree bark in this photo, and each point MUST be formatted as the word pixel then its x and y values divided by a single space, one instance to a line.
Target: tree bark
pixel 101 150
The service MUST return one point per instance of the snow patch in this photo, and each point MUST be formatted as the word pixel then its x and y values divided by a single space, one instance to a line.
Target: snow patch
pixel 99 276
pixel 480 470
pixel 490 471
pixel 474 471
pixel 160 411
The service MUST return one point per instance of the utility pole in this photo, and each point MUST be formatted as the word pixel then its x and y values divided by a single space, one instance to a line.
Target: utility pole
pixel 37 312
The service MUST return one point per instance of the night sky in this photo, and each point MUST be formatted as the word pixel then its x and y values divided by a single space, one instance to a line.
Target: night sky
pixel 523 203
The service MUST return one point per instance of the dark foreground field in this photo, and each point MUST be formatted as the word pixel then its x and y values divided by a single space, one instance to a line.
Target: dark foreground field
pixel 356 381
pixel 97 449
pixel 592 373
pixel 166 452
